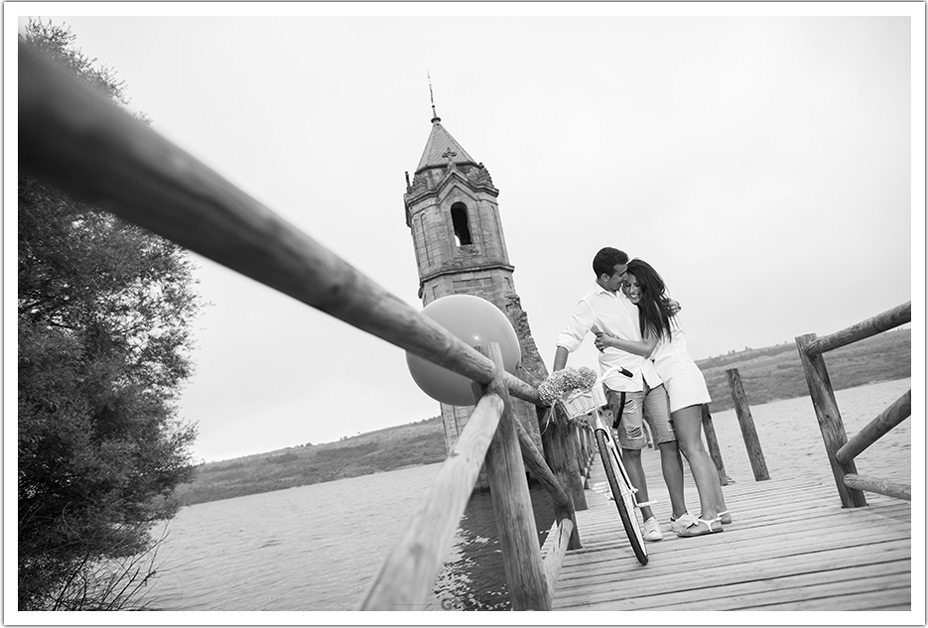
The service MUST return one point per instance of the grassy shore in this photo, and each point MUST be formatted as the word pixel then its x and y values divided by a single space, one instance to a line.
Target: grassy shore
pixel 768 374
pixel 391 448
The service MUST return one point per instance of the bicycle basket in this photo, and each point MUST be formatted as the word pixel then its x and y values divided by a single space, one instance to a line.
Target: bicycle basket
pixel 582 402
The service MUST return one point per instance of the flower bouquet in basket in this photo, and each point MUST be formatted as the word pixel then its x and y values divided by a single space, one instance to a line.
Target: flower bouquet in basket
pixel 577 390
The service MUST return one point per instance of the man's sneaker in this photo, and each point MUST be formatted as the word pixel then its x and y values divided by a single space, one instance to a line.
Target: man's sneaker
pixel 684 521
pixel 651 530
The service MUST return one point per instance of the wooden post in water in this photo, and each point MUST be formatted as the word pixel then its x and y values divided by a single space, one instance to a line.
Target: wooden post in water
pixel 512 504
pixel 746 421
pixel 712 443
pixel 829 420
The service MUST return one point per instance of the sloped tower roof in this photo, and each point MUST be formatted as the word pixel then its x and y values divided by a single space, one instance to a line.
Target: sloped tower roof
pixel 440 148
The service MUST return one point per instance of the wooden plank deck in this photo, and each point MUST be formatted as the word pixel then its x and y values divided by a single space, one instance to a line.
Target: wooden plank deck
pixel 791 547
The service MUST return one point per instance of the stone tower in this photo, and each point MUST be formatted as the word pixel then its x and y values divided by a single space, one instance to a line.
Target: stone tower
pixel 457 235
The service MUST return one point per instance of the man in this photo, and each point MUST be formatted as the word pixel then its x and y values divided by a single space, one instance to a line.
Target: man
pixel 606 310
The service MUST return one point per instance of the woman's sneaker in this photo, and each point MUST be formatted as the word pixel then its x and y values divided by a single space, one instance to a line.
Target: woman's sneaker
pixel 651 530
pixel 684 521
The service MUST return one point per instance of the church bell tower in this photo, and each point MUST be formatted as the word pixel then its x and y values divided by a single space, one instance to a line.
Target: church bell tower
pixel 457 234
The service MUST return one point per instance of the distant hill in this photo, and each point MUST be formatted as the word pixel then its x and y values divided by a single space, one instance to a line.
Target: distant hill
pixel 387 449
pixel 776 373
pixel 768 374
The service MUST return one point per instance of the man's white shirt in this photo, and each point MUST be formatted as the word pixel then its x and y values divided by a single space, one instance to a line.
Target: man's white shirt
pixel 611 313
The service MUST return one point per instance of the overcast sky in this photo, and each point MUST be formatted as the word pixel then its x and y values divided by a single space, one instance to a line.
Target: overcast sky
pixel 762 163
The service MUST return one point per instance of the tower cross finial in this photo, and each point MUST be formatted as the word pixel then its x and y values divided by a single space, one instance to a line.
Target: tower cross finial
pixel 435 117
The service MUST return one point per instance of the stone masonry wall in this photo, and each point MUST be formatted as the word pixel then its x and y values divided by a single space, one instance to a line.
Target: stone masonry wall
pixel 437 249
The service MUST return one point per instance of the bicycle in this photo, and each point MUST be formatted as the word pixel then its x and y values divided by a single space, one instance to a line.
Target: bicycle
pixel 623 492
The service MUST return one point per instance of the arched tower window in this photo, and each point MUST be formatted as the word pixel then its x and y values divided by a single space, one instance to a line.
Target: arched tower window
pixel 459 222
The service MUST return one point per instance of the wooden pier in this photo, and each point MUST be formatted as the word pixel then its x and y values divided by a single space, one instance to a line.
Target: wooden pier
pixel 791 546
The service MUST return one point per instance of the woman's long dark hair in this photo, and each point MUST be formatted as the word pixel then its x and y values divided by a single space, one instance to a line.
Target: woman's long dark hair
pixel 654 317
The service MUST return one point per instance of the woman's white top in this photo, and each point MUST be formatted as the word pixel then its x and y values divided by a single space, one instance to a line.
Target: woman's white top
pixel 682 379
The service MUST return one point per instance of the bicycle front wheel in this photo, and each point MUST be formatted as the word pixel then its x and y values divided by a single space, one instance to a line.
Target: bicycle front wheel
pixel 623 496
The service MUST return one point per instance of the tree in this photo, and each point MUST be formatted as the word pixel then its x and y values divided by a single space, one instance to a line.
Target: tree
pixel 104 313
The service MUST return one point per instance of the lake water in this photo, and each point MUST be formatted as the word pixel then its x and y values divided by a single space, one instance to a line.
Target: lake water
pixel 316 548
pixel 792 442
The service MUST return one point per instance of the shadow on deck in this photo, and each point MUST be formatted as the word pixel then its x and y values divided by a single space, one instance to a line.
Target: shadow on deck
pixel 790 547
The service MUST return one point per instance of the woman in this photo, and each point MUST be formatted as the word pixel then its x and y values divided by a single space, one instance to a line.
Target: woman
pixel 663 341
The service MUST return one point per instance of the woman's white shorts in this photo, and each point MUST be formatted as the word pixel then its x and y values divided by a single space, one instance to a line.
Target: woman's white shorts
pixel 685 385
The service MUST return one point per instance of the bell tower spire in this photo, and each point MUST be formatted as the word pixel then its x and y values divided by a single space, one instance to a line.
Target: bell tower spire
pixel 435 117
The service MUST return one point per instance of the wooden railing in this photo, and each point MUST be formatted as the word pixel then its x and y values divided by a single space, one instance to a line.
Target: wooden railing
pixel 841 451
pixel 76 138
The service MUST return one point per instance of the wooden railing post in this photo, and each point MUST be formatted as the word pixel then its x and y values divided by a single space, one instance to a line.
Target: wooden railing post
pixel 829 420
pixel 574 479
pixel 559 453
pixel 512 504
pixel 592 451
pixel 746 421
pixel 577 442
pixel 538 466
pixel 712 443
pixel 581 429
pixel 555 455
pixel 588 444
pixel 572 433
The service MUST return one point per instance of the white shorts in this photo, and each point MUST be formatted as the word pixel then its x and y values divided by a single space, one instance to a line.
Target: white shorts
pixel 685 385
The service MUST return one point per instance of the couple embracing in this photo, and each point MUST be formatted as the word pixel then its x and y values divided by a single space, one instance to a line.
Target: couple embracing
pixel 635 325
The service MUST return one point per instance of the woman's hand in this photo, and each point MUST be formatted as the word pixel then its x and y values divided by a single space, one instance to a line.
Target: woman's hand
pixel 637 347
pixel 603 341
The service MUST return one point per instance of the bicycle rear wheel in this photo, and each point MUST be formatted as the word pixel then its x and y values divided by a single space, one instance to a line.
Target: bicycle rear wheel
pixel 624 498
